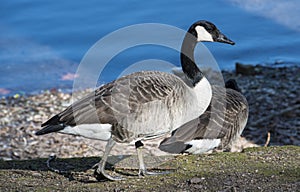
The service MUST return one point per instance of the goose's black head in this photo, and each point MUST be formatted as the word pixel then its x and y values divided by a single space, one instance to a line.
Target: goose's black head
pixel 207 31
pixel 232 84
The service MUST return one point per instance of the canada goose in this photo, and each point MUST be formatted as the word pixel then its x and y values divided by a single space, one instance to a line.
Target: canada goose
pixel 142 105
pixel 226 124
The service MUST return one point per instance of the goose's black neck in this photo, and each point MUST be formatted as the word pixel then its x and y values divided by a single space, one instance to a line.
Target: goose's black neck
pixel 187 59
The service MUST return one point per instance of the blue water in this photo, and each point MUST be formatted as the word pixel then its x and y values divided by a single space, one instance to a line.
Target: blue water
pixel 43 42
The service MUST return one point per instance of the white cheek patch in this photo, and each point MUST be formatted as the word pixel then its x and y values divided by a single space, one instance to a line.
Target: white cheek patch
pixel 203 35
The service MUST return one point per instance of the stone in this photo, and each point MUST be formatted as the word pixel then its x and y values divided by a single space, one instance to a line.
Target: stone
pixel 244 69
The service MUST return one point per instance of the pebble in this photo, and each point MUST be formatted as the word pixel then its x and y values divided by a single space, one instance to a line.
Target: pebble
pixel 244 69
pixel 195 180
pixel 36 174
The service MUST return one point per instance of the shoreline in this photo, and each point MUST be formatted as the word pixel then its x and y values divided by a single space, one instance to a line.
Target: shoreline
pixel 10 93
pixel 271 93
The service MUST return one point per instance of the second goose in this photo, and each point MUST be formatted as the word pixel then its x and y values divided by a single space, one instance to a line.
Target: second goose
pixel 216 128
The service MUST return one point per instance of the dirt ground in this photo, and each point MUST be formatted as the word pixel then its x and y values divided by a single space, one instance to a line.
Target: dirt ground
pixel 254 169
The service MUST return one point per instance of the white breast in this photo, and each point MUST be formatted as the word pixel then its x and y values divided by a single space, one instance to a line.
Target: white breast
pixel 203 93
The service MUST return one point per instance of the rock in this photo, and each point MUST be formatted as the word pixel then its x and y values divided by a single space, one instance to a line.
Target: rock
pixel 195 180
pixel 244 69
pixel 199 187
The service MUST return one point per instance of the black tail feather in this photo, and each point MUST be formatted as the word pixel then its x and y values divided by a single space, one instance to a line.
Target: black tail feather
pixel 174 147
pixel 52 125
pixel 49 129
pixel 52 121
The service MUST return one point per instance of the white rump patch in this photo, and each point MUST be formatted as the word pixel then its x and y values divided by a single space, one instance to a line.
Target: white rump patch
pixel 203 145
pixel 203 34
pixel 92 131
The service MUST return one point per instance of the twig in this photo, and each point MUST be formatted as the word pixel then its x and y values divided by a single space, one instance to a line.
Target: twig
pixel 52 157
pixel 275 114
pixel 268 139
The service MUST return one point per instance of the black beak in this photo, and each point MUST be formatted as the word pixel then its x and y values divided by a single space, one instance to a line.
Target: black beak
pixel 223 39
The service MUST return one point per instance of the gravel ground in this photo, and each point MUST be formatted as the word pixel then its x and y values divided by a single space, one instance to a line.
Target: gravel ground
pixel 272 94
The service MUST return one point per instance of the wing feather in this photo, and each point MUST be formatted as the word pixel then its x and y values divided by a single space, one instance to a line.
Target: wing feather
pixel 118 98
